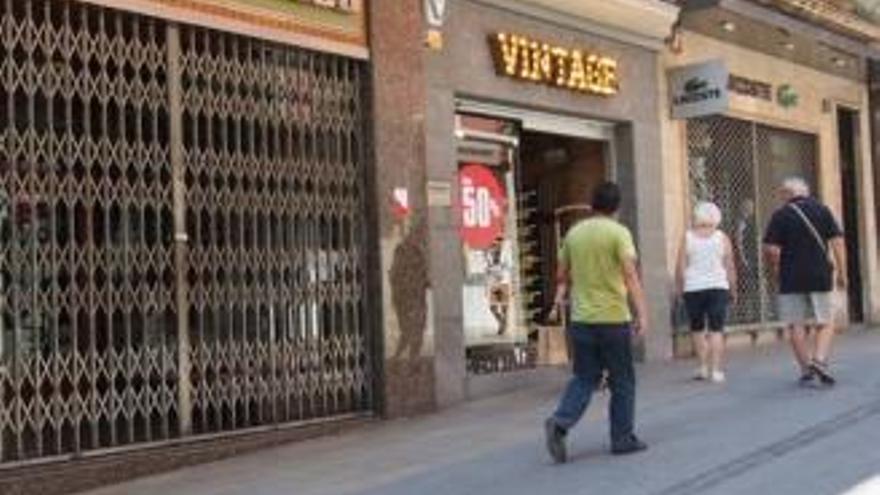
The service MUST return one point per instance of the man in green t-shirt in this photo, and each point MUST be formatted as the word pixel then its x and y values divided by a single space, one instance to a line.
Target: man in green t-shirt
pixel 597 266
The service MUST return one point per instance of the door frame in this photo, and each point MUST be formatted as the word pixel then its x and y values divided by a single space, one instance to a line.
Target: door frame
pixel 857 137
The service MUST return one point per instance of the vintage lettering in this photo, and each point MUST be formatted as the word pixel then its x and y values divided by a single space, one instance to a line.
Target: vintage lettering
pixel 578 77
pixel 608 70
pixel 542 63
pixel 525 58
pixel 560 55
pixel 509 49
pixel 575 69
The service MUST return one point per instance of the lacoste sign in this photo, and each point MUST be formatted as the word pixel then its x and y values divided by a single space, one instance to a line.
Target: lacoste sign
pixel 700 89
pixel 696 90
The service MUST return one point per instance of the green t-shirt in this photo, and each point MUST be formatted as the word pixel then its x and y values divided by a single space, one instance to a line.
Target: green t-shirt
pixel 594 251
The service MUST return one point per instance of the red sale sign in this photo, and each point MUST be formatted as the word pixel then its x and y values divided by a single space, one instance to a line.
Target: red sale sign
pixel 483 204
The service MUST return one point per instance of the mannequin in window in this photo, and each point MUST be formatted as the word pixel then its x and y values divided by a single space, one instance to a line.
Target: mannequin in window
pixel 498 281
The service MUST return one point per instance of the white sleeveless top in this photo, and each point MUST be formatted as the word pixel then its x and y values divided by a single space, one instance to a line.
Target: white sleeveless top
pixel 705 263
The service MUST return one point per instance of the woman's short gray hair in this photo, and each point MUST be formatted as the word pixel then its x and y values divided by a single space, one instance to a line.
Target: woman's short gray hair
pixel 796 186
pixel 707 213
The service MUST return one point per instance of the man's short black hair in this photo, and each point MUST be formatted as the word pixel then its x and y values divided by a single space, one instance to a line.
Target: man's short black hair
pixel 606 198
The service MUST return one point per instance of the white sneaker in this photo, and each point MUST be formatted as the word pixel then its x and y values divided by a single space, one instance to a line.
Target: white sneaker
pixel 718 377
pixel 701 373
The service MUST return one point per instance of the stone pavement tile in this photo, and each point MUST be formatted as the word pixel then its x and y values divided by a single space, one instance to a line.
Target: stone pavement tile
pixel 832 465
pixel 696 432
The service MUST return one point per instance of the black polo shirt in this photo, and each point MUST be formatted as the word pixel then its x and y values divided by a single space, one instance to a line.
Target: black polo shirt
pixel 804 266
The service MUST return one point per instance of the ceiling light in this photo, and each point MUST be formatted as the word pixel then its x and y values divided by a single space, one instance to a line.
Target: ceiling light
pixel 728 26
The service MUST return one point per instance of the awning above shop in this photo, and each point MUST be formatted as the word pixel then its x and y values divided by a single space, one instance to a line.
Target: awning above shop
pixel 770 30
pixel 644 22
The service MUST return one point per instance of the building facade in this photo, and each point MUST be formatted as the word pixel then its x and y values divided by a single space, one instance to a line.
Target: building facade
pixel 265 217
pixel 184 224
pixel 505 114
pixel 502 142
pixel 797 103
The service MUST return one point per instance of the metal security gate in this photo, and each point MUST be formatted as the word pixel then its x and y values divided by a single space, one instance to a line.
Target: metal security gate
pixel 273 166
pixel 739 165
pixel 181 232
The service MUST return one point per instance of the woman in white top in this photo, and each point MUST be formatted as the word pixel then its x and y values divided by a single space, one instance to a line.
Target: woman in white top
pixel 706 275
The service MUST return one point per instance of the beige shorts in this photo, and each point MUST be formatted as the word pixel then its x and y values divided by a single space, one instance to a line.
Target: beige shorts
pixel 806 308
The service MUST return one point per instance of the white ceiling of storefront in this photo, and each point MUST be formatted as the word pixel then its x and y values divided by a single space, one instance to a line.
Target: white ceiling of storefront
pixel 651 18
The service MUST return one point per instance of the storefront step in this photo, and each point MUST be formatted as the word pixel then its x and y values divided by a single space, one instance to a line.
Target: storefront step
pixel 77 474
pixel 481 386
pixel 739 338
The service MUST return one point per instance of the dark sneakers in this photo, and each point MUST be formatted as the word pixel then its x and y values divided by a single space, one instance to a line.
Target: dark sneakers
pixel 821 370
pixel 555 437
pixel 630 445
pixel 817 370
pixel 808 376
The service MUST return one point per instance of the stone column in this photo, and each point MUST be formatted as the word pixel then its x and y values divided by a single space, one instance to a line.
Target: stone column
pixel 399 93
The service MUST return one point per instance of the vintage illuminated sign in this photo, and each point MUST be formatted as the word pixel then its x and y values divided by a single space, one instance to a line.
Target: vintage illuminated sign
pixel 574 69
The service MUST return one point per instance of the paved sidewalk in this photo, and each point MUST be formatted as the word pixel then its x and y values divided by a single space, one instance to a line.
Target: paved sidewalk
pixel 759 433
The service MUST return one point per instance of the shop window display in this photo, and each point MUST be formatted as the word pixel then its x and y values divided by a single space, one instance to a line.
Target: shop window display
pixel 519 192
pixel 738 165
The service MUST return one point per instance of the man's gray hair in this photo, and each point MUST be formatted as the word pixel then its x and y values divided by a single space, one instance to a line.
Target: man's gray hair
pixel 796 186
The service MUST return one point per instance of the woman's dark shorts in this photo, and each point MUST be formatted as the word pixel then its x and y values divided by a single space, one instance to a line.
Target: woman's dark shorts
pixel 706 305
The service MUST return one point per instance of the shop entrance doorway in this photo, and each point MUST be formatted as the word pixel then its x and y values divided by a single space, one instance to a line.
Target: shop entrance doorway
pixel 557 175
pixel 519 192
pixel 848 139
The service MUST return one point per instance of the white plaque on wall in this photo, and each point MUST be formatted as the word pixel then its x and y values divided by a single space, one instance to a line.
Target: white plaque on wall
pixel 699 89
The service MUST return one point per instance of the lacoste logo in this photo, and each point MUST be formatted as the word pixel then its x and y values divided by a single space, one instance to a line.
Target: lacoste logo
pixel 696 89
pixel 695 85
pixel 787 96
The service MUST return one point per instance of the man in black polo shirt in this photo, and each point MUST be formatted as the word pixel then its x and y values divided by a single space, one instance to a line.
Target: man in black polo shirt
pixel 797 243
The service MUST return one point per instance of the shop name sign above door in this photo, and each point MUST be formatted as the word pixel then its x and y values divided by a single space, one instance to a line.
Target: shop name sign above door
pixel 573 69
pixel 705 89
pixel 699 89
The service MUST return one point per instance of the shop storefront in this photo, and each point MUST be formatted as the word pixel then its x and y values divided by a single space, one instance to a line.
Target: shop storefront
pixel 742 118
pixel 520 189
pixel 182 222
pixel 529 109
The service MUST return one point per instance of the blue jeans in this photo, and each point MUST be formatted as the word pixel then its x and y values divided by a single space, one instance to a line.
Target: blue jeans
pixel 597 348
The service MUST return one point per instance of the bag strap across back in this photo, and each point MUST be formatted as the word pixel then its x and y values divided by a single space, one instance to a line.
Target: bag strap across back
pixel 809 224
